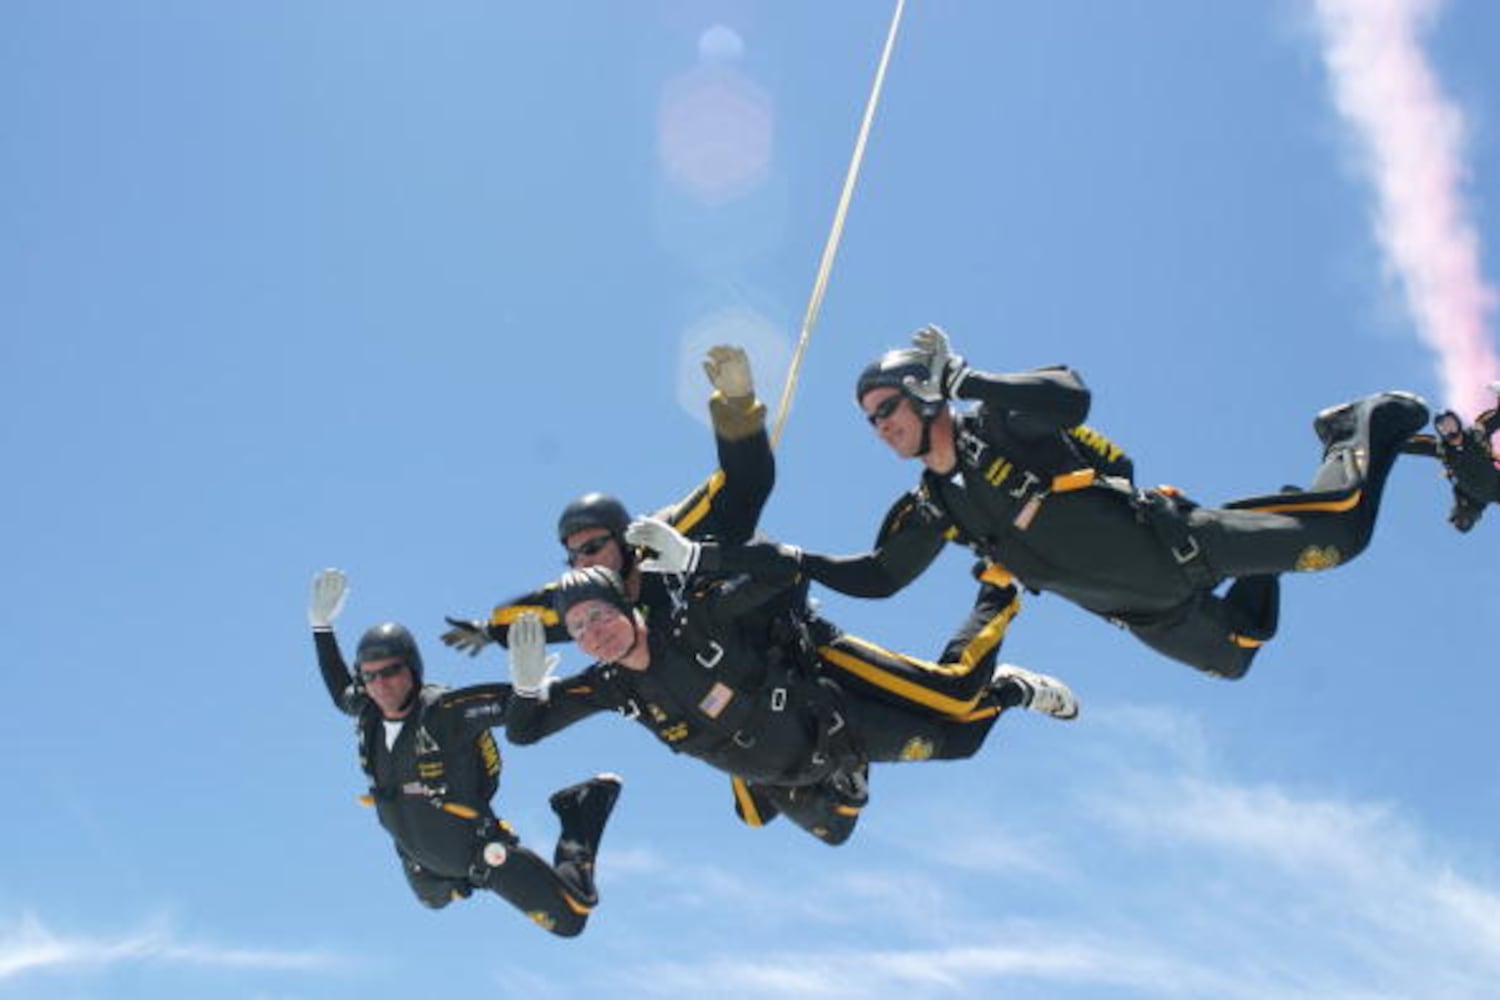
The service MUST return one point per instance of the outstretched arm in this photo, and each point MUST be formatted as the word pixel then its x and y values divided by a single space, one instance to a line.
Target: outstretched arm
pixel 529 719
pixel 329 589
pixel 471 636
pixel 910 538
pixel 1420 444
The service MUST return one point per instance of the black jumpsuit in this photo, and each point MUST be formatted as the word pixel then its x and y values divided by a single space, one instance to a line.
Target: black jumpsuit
pixel 1469 465
pixel 431 789
pixel 720 689
pixel 1033 492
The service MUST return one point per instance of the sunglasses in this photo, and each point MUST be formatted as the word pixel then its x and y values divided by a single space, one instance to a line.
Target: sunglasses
pixel 384 673
pixel 884 410
pixel 590 547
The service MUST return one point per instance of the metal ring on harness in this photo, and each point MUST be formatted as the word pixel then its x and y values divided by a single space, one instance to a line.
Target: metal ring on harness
pixel 712 660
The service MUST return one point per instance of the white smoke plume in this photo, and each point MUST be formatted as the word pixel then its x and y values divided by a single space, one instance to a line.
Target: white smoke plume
pixel 1414 139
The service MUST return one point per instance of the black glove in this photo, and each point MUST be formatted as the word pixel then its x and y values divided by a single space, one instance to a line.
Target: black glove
pixel 1464 516
pixel 466 636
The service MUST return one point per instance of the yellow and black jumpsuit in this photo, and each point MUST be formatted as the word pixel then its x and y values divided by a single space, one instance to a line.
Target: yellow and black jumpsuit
pixel 431 788
pixel 722 688
pixel 1469 463
pixel 1032 492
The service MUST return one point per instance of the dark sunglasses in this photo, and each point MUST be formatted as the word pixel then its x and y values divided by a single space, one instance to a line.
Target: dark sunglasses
pixel 384 673
pixel 884 410
pixel 589 547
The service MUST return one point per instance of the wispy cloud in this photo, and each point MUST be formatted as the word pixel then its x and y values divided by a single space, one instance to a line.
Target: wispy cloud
pixel 1164 876
pixel 1413 140
pixel 30 946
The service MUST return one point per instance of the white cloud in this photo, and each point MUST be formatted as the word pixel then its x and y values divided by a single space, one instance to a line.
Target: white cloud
pixel 1164 876
pixel 30 946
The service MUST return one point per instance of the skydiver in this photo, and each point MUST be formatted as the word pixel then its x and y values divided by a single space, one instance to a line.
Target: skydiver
pixel 727 507
pixel 1468 459
pixel 433 767
pixel 1020 484
pixel 794 739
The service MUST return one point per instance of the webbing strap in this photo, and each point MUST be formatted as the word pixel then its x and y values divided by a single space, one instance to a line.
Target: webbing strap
pixel 831 246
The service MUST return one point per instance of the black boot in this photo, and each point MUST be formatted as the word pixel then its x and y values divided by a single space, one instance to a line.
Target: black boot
pixel 583 809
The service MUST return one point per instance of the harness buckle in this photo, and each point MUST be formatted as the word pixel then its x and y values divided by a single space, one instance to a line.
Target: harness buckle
pixel 713 658
pixel 1029 481
pixel 1187 551
pixel 778 699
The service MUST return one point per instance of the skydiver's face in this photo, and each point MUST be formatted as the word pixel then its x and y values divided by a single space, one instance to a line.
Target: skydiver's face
pixel 388 682
pixel 601 630
pixel 594 547
pixel 894 419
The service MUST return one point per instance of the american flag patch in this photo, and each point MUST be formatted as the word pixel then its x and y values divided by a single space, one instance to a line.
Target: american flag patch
pixel 713 703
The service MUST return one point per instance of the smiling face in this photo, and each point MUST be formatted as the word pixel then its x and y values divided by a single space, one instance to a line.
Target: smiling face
pixel 894 419
pixel 601 630
pixel 388 682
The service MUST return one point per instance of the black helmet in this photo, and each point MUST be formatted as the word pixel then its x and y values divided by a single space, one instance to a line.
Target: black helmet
pixel 592 583
pixel 894 369
pixel 384 642
pixel 593 510
pixel 898 369
pixel 598 510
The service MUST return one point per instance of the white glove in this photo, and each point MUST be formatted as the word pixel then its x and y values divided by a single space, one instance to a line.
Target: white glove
pixel 728 370
pixel 947 369
pixel 530 663
pixel 674 553
pixel 329 589
pixel 1495 387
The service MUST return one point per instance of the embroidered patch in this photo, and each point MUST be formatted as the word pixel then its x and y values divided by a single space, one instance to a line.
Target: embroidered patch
pixel 543 919
pixel 917 748
pixel 1314 558
pixel 715 701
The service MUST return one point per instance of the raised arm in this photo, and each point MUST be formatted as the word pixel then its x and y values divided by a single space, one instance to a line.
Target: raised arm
pixel 1037 401
pixel 728 504
pixel 329 590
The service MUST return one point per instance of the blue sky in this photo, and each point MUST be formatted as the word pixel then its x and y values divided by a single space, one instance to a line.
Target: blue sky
pixel 286 285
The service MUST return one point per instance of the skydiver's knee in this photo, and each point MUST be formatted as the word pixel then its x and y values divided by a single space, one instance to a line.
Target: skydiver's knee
pixel 1219 636
pixel 835 835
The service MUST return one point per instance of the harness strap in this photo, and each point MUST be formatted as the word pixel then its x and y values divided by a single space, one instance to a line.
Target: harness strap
pixel 1162 509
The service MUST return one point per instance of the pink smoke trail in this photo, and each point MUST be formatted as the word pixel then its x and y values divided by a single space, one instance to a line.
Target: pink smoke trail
pixel 1414 140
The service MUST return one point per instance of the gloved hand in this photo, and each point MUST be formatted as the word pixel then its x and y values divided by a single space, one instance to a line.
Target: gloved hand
pixel 674 553
pixel 329 589
pixel 1495 387
pixel 1464 517
pixel 530 663
pixel 947 369
pixel 728 370
pixel 466 636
